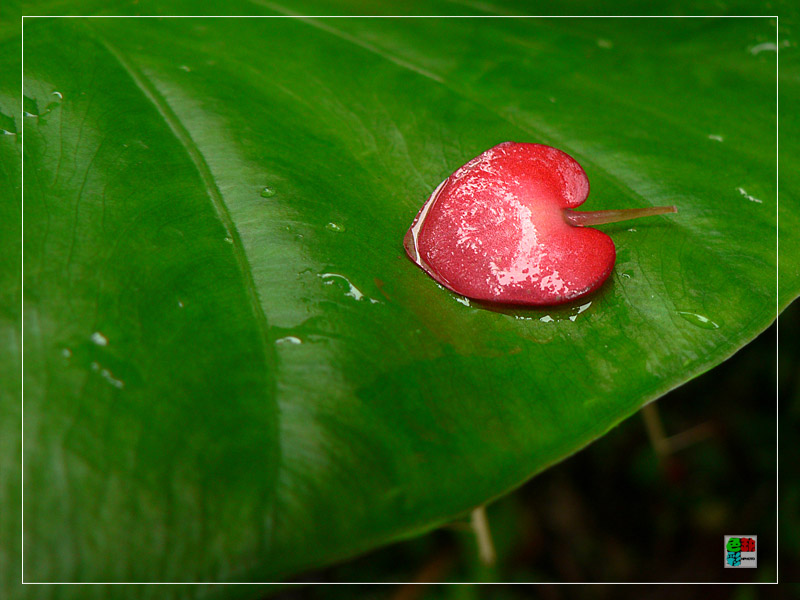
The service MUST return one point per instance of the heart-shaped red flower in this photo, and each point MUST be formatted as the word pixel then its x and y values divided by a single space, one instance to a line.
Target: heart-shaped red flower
pixel 499 229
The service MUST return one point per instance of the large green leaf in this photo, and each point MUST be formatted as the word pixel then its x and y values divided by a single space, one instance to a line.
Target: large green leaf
pixel 10 299
pixel 231 370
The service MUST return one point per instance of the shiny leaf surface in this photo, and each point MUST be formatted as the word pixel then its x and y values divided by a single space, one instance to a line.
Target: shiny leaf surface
pixel 232 372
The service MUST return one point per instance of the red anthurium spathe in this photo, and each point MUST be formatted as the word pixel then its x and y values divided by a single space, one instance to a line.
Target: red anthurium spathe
pixel 502 229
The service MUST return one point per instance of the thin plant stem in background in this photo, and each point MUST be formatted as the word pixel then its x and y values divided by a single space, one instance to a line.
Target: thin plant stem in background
pixel 483 536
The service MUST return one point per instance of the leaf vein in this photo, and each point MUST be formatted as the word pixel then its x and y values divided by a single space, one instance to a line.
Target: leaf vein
pixel 181 133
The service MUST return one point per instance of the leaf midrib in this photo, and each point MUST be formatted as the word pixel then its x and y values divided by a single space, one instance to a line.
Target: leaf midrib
pixel 180 132
pixel 185 139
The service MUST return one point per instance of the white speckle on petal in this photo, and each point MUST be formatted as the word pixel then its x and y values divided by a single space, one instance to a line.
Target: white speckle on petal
pixel 553 282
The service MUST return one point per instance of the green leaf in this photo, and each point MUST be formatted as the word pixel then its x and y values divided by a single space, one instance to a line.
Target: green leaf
pixel 233 373
pixel 10 301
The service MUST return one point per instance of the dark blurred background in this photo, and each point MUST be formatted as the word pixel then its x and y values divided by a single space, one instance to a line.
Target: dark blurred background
pixel 617 512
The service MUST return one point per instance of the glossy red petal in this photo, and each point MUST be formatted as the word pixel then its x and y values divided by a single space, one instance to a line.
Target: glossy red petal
pixel 494 229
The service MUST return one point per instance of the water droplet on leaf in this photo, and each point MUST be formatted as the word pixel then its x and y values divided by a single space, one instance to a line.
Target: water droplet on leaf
pixel 748 196
pixel 764 47
pixel 109 377
pixel 99 339
pixel 8 126
pixel 698 320
pixel 352 290
pixel 30 107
